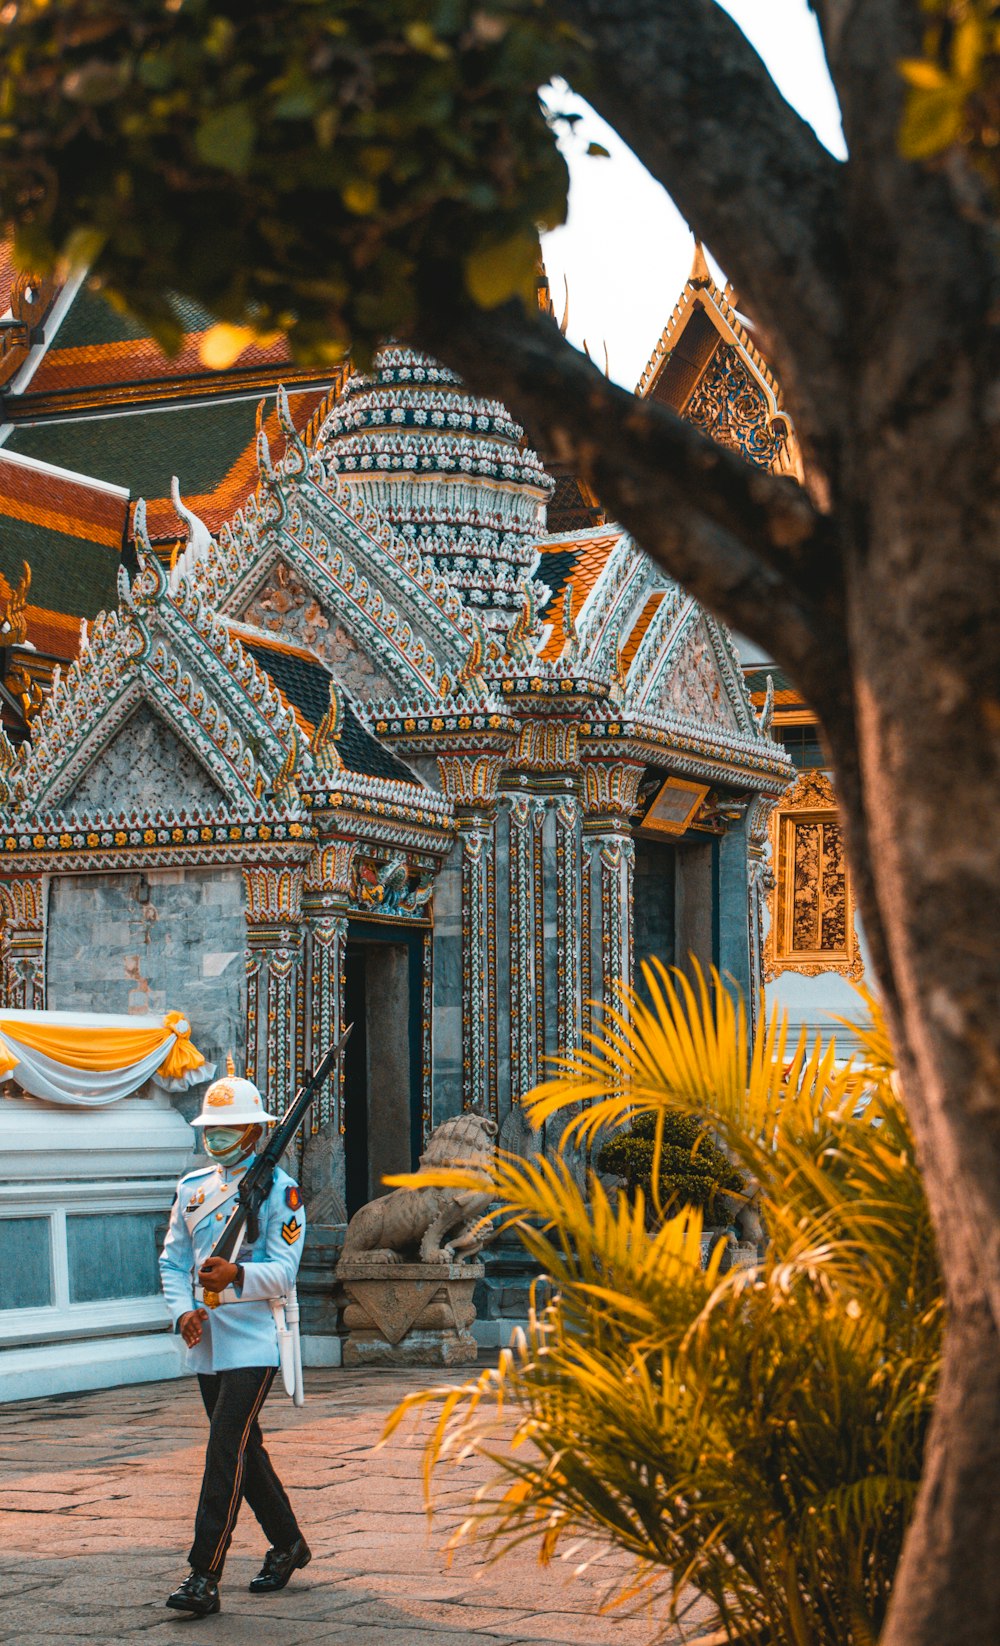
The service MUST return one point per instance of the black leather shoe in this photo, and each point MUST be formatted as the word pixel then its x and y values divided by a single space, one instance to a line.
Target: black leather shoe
pixel 199 1593
pixel 279 1564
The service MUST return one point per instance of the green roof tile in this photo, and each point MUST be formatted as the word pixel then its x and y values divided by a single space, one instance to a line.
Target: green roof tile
pixel 141 450
pixel 68 574
pixel 92 320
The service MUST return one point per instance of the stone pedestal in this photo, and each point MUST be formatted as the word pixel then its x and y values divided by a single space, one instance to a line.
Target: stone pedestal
pixel 409 1314
pixel 503 1297
pixel 319 1295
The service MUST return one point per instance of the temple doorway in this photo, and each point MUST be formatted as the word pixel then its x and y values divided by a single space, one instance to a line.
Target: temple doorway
pixel 382 1060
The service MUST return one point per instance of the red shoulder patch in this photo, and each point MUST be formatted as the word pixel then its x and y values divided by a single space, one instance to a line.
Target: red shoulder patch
pixel 292 1197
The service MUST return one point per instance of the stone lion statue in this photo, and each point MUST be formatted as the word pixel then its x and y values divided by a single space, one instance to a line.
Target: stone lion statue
pixel 429 1225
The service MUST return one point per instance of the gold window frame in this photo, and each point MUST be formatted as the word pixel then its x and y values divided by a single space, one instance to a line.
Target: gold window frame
pixel 693 793
pixel 810 803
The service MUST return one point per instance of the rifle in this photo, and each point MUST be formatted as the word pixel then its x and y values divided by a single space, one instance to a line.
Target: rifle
pixel 255 1184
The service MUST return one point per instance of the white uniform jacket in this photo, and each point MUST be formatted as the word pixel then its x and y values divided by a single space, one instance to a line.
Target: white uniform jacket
pixel 241 1331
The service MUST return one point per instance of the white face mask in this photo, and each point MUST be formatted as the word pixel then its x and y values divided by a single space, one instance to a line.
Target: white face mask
pixel 227 1144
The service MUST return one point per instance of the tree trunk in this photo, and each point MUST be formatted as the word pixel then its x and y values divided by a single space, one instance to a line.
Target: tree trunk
pixel 946 1589
pixel 923 595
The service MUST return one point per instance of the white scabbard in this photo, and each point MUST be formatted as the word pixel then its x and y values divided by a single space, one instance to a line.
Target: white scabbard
pixel 286 1344
pixel 292 1316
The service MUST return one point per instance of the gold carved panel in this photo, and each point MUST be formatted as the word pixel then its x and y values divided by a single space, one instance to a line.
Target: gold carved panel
pixel 811 904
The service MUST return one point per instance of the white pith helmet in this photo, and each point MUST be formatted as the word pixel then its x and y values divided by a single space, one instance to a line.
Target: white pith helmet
pixel 232 1101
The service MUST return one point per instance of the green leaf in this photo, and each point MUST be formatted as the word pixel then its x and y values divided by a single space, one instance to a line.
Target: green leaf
pixel 360 196
pixel 932 121
pixel 496 273
pixel 226 138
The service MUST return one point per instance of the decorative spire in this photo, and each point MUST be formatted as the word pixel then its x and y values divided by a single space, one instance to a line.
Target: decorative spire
pixel 700 275
pixel 324 742
pixel 767 708
pixel 446 470
pixel 230 1065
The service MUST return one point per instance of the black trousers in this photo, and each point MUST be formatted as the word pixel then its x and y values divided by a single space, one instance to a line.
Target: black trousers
pixel 237 1467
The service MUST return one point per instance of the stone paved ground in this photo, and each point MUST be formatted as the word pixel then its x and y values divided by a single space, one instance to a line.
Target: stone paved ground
pixel 97 1493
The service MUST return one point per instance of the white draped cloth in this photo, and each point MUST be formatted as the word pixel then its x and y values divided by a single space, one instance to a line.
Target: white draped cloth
pixel 88 1059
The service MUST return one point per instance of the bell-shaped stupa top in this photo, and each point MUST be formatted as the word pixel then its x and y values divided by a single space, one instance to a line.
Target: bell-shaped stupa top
pixel 447 470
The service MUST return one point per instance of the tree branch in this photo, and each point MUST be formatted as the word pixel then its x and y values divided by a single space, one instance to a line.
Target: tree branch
pixel 682 85
pixel 747 543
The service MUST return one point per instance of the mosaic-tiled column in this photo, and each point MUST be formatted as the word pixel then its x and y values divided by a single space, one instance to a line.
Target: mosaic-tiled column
pixel 22 944
pixel 526 868
pixel 610 789
pixel 571 932
pixel 324 905
pixel 760 882
pixel 276 1018
pixel 471 783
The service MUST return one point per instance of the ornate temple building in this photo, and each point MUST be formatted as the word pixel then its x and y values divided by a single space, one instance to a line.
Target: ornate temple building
pixel 346 728
pixel 707 368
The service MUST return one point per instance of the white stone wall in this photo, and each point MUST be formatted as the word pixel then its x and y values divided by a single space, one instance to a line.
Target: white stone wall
pixel 168 940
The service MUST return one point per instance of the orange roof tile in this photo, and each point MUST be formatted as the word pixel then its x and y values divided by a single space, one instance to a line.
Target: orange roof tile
pixel 53 632
pixel 138 360
pixel 73 507
pixel 645 618
pixel 589 563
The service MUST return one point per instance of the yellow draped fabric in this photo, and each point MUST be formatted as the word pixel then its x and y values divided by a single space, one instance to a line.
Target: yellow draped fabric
pixel 93 1058
pixel 103 1047
pixel 86 1048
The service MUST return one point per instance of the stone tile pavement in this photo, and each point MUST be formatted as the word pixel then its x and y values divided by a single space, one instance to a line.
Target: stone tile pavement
pixel 97 1494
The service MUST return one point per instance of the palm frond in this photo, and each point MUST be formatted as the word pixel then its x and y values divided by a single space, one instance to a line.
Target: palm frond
pixel 755 1436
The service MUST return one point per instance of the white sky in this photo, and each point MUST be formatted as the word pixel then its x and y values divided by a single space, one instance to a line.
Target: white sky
pixel 625 249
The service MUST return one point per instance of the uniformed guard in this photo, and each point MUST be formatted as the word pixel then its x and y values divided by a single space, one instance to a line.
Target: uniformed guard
pixel 234 1345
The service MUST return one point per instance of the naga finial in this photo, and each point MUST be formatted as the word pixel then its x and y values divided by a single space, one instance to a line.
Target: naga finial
pixel 8 755
pixel 284 783
pixel 701 274
pixel 569 624
pixel 324 740
pixel 199 538
pixel 472 668
pixel 522 632
pixel 767 708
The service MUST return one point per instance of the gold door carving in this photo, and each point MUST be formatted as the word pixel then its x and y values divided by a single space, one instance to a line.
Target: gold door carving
pixel 812 906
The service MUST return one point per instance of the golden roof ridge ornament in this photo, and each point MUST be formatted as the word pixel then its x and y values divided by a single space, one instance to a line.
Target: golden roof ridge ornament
pixel 14 621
